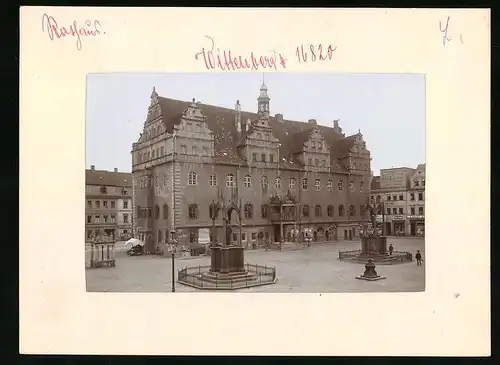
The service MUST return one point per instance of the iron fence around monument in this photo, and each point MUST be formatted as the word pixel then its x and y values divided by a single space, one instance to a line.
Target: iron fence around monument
pixel 255 275
pixel 347 254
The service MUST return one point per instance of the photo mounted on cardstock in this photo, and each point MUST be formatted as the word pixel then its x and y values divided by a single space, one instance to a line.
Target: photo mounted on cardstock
pixel 250 182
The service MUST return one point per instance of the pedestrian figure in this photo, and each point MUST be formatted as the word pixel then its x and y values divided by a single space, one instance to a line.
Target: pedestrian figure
pixel 418 256
pixel 391 248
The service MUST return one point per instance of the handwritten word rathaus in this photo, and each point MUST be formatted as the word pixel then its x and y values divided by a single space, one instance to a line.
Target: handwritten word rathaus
pixel 227 61
pixel 91 28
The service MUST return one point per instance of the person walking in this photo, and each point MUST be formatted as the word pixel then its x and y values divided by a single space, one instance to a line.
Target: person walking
pixel 418 256
pixel 391 248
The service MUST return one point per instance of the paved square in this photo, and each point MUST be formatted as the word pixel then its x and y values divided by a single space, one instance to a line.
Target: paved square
pixel 311 270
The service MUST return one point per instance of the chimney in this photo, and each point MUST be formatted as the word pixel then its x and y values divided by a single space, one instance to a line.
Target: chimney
pixel 115 169
pixel 237 119
pixel 92 167
pixel 279 117
pixel 312 121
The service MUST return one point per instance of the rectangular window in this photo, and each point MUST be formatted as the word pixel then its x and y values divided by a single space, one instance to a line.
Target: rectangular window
pixel 400 210
pixel 112 204
pixel 316 162
pixel 243 236
pixel 97 218
pixel 125 204
pixel 271 158
pixel 89 203
pixel 254 236
pixel 309 161
pixel 263 157
pixel 400 196
pixel 98 203
pixel 388 197
pixel 412 210
pixel 235 237
pixel 394 210
pixel 421 210
pixel 113 218
pixel 420 196
pixel 205 151
pixel 89 219
pixel 105 203
pixel 162 151
pixel 394 197
pixel 194 150
pixel 192 237
pixel 388 210
pixel 323 163
pixel 125 218
pixel 412 196
pixel 89 234
pixel 254 156
pixel 105 217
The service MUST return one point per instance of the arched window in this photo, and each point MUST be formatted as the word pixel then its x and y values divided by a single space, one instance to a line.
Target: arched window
pixel 263 182
pixel 213 180
pixel 157 211
pixel 291 183
pixel 304 183
pixel 330 185
pixel 329 210
pixel 277 183
pixel 193 211
pixel 305 210
pixel 341 210
pixel 165 211
pixel 213 212
pixel 248 210
pixel 230 180
pixel 351 186
pixel 340 185
pixel 247 181
pixel 159 236
pixel 317 210
pixel 352 210
pixel 263 210
pixel 192 178
pixel 317 184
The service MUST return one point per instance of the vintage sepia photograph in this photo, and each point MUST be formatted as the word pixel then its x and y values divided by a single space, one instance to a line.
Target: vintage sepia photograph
pixel 255 182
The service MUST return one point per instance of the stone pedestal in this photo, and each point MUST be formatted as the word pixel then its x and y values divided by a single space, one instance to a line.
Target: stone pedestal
pixel 370 273
pixel 226 260
pixel 373 245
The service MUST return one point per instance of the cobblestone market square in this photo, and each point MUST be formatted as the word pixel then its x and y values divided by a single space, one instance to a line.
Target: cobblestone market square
pixel 314 269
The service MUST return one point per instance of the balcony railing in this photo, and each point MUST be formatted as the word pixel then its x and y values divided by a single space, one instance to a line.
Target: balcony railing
pixel 283 216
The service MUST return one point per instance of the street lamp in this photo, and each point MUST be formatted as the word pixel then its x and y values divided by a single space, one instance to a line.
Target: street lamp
pixel 173 246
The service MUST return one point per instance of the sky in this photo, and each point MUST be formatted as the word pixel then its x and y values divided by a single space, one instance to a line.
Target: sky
pixel 388 109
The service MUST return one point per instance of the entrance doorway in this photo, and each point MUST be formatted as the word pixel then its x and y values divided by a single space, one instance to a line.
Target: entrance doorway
pixel 277 236
pixel 345 234
pixel 412 229
pixel 350 234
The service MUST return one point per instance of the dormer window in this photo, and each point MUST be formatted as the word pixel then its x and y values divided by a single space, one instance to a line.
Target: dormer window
pixel 313 144
pixel 320 145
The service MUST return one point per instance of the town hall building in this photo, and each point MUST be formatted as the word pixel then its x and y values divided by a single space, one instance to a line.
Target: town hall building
pixel 283 173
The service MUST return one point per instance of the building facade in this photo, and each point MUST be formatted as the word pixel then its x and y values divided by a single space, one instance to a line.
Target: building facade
pixel 108 203
pixel 400 194
pixel 191 155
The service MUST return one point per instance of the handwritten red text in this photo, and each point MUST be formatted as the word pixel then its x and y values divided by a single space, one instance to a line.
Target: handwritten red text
pixel 54 31
pixel 213 58
pixel 313 53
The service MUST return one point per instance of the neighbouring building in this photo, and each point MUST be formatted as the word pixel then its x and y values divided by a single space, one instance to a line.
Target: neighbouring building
pixel 108 206
pixel 399 193
pixel 189 153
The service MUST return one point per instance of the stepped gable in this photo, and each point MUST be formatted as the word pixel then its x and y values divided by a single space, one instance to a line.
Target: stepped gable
pixel 291 134
pixel 108 178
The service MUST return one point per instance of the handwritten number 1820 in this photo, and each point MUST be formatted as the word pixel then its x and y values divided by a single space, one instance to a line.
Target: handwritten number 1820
pixel 313 53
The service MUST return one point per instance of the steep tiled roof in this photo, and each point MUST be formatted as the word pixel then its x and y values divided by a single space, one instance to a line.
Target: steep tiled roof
pixel 375 183
pixel 108 178
pixel 291 134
